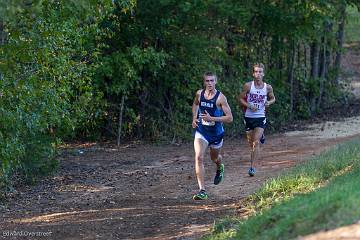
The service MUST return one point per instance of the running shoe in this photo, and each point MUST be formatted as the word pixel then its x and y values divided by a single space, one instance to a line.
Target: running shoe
pixel 219 175
pixel 202 195
pixel 262 139
pixel 252 172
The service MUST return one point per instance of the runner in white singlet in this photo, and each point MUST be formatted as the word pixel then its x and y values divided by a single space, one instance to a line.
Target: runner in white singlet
pixel 255 96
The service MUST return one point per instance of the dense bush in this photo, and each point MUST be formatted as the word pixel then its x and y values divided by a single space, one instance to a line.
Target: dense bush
pixel 48 61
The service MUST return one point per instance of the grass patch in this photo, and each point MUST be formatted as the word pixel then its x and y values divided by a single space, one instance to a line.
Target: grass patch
pixel 352 27
pixel 320 194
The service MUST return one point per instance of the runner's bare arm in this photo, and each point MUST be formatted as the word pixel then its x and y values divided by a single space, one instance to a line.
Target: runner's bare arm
pixel 227 117
pixel 241 98
pixel 195 108
pixel 270 95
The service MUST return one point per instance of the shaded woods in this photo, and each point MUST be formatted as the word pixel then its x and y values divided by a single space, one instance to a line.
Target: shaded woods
pixel 128 69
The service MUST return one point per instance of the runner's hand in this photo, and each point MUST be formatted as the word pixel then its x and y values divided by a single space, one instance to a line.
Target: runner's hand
pixel 252 107
pixel 194 123
pixel 206 116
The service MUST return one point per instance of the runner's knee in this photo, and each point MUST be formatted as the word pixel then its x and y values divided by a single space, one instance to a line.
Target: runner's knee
pixel 199 159
pixel 254 144
pixel 216 159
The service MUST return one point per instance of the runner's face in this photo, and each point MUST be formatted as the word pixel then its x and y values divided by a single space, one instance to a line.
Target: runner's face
pixel 209 82
pixel 258 73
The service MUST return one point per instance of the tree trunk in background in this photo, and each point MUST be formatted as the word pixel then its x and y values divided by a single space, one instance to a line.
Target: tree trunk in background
pixel 2 40
pixel 299 54
pixel 230 47
pixel 340 42
pixel 120 119
pixel 274 53
pixel 328 62
pixel 280 61
pixel 143 103
pixel 305 61
pixel 144 100
pixel 325 62
pixel 2 33
pixel 290 77
pixel 322 57
pixel 322 72
pixel 300 68
pixel 314 60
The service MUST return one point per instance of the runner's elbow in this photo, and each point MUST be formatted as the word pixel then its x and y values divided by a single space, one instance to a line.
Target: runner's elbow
pixel 230 119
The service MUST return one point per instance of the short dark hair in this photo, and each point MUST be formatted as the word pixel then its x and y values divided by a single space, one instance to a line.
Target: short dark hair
pixel 259 65
pixel 208 74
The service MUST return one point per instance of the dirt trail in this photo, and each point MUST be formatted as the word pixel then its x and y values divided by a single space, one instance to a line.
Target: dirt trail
pixel 144 192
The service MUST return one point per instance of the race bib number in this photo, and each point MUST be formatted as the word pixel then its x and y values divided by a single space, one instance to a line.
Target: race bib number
pixel 206 123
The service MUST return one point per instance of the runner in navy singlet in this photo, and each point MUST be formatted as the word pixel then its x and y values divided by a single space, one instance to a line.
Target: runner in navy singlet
pixel 210 110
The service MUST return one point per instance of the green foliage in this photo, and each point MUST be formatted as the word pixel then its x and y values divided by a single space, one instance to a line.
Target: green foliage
pixel 66 66
pixel 156 58
pixel 154 53
pixel 47 91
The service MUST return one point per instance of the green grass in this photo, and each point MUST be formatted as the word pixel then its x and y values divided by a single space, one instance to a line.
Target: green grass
pixel 321 194
pixel 352 26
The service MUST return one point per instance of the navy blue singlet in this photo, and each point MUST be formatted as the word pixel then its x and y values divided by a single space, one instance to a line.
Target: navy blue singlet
pixel 212 131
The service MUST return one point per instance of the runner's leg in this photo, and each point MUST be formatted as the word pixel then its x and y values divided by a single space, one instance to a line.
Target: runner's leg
pixel 255 148
pixel 250 137
pixel 200 146
pixel 215 155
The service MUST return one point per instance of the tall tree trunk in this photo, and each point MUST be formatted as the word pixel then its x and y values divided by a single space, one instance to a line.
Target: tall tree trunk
pixel 2 42
pixel 328 61
pixel 230 46
pixel 120 119
pixel 324 62
pixel 314 59
pixel 274 52
pixel 291 76
pixel 305 61
pixel 280 59
pixel 340 41
pixel 299 54
pixel 322 73
pixel 324 57
pixel 144 101
pixel 2 33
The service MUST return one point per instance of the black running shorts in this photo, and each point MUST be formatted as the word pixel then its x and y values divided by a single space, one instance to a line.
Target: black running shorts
pixel 252 123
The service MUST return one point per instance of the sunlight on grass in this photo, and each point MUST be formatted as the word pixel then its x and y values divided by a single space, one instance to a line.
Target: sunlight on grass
pixel 321 193
pixel 352 27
